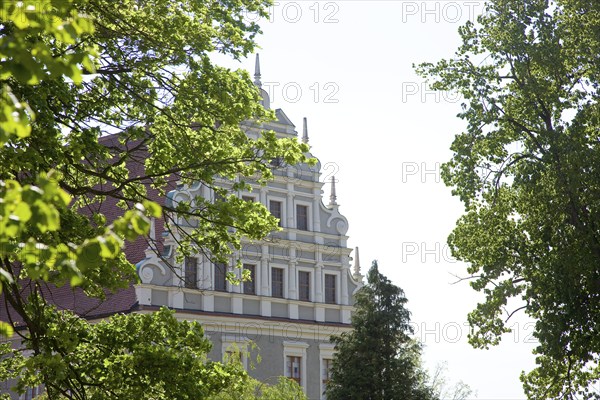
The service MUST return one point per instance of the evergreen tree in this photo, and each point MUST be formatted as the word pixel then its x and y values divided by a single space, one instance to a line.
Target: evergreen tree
pixel 378 360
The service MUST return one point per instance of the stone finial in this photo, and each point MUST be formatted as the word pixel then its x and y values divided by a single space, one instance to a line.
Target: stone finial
pixel 152 232
pixel 356 262
pixel 333 196
pixel 304 131
pixel 257 81
pixel 151 238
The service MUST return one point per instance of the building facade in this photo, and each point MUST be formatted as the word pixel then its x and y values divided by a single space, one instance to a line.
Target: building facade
pixel 302 285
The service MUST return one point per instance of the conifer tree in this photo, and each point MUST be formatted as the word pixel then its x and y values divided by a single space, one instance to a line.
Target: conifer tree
pixel 378 360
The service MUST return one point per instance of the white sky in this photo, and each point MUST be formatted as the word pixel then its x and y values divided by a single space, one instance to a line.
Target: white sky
pixel 384 136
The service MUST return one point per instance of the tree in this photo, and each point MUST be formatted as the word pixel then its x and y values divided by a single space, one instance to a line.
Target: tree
pixel 442 389
pixel 284 389
pixel 527 169
pixel 150 356
pixel 89 88
pixel 378 360
pixel 126 356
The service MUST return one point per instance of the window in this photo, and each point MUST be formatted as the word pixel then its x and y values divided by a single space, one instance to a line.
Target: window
pixel 277 282
pixel 220 277
pixel 248 198
pixel 235 349
pixel 304 285
pixel 166 252
pixel 250 286
pixel 232 356
pixel 32 393
pixel 220 197
pixel 326 351
pixel 191 272
pixel 293 369
pixel 302 217
pixel 326 373
pixel 294 361
pixel 330 289
pixel 275 208
pixel 277 162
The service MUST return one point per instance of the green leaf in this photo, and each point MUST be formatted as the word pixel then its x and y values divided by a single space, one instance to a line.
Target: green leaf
pixel 153 209
pixel 22 212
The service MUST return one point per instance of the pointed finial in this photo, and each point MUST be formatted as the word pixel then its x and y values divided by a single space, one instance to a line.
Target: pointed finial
pixel 305 132
pixel 333 196
pixel 257 81
pixel 151 238
pixel 356 262
pixel 152 232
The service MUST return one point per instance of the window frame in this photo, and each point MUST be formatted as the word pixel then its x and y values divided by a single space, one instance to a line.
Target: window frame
pixel 309 283
pixel 229 343
pixel 190 281
pixel 290 360
pixel 296 349
pixel 249 287
pixel 283 281
pixel 326 366
pixel 308 214
pixel 215 276
pixel 33 392
pixel 218 198
pixel 336 288
pixel 281 208
pixel 326 352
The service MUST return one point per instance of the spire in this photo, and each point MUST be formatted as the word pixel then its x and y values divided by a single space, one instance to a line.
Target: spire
pixel 152 249
pixel 257 81
pixel 152 233
pixel 333 196
pixel 304 132
pixel 356 262
pixel 265 101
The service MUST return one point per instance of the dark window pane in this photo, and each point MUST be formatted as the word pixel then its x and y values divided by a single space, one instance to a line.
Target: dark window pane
pixel 248 198
pixel 326 373
pixel 191 272
pixel 302 217
pixel 304 285
pixel 275 208
pixel 330 289
pixel 166 251
pixel 250 286
pixel 221 277
pixel 277 282
pixel 293 368
pixel 219 198
pixel 277 162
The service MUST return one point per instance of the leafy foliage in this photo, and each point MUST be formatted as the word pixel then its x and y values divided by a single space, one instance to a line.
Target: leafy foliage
pixel 151 356
pixel 34 37
pixel 527 170
pixel 101 100
pixel 378 360
pixel 285 389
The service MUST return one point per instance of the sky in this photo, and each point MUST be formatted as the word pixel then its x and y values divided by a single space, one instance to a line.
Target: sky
pixel 348 67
